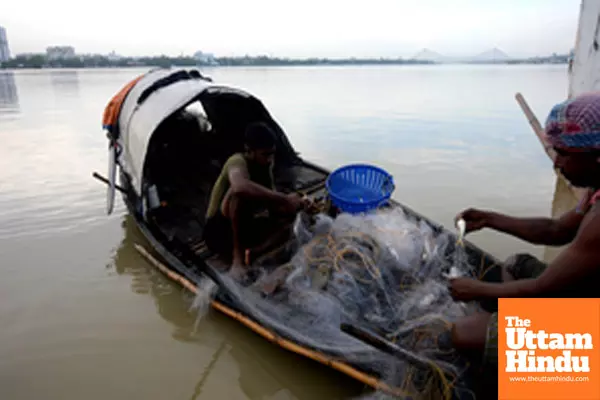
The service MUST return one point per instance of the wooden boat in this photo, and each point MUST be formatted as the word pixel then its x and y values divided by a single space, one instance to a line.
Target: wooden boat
pixel 167 159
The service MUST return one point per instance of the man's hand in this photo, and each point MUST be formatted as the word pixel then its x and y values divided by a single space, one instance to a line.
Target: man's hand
pixel 475 219
pixel 467 289
pixel 295 202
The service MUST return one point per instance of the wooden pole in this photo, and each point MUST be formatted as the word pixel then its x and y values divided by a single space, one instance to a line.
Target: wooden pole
pixel 172 275
pixel 272 337
pixel 536 126
pixel 539 132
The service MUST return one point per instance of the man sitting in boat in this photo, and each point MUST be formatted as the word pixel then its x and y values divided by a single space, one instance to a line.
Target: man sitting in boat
pixel 245 190
pixel 573 130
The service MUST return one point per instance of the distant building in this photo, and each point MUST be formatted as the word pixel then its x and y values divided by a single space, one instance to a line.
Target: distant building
pixel 205 58
pixel 4 50
pixel 112 56
pixel 60 52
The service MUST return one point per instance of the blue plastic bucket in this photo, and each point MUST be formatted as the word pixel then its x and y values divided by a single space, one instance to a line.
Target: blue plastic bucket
pixel 359 188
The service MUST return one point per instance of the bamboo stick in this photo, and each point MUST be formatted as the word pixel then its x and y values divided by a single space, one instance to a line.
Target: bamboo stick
pixel 272 337
pixel 323 359
pixel 536 126
pixel 172 275
pixel 539 132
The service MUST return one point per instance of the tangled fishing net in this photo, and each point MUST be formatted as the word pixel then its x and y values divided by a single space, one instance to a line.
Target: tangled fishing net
pixel 382 271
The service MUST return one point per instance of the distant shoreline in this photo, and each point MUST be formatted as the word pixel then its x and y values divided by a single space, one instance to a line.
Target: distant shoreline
pixel 40 61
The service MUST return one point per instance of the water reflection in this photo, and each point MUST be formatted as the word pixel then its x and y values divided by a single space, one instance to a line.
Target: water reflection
pixel 65 81
pixel 264 370
pixel 147 280
pixel 9 98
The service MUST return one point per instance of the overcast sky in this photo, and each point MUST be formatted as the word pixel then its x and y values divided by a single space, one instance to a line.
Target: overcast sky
pixel 322 28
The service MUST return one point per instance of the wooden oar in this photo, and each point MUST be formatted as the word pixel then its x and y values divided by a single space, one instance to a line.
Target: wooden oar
pixel 539 132
pixel 536 126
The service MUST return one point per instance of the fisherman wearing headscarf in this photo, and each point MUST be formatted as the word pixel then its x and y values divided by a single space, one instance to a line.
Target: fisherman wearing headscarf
pixel 573 133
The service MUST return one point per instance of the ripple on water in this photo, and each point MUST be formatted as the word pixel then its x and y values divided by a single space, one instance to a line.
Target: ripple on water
pixel 56 208
pixel 451 136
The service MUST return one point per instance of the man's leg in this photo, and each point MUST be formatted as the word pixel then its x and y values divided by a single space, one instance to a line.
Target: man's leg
pixel 469 328
pixel 518 266
pixel 275 232
pixel 217 236
pixel 469 333
pixel 477 335
pixel 506 275
pixel 250 235
pixel 524 266
pixel 231 209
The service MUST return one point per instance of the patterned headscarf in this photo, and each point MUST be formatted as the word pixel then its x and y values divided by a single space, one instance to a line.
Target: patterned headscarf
pixel 574 124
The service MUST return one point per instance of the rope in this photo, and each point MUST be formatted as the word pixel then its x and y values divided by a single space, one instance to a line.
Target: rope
pixel 358 255
pixel 342 249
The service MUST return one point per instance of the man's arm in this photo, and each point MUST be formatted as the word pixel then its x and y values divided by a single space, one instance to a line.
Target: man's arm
pixel 541 231
pixel 576 264
pixel 242 186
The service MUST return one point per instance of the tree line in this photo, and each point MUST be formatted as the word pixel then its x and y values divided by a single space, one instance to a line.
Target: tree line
pixel 42 61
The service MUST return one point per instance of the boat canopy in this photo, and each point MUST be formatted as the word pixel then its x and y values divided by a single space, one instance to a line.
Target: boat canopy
pixel 133 115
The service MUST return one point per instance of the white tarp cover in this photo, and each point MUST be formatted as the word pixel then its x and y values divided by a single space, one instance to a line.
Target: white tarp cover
pixel 137 123
pixel 585 73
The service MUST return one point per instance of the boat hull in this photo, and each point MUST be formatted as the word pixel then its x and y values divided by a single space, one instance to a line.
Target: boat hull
pixel 185 268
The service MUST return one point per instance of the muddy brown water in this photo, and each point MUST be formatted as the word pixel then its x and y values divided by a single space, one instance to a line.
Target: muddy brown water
pixel 83 316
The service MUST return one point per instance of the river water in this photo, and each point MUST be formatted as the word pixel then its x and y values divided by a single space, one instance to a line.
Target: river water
pixel 83 316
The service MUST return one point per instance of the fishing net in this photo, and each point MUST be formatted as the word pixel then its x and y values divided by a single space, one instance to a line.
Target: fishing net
pixel 383 271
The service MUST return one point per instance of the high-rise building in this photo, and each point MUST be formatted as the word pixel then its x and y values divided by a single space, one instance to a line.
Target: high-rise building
pixel 4 50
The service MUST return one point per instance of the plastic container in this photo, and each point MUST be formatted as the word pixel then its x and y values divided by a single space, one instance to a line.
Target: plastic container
pixel 153 199
pixel 359 188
